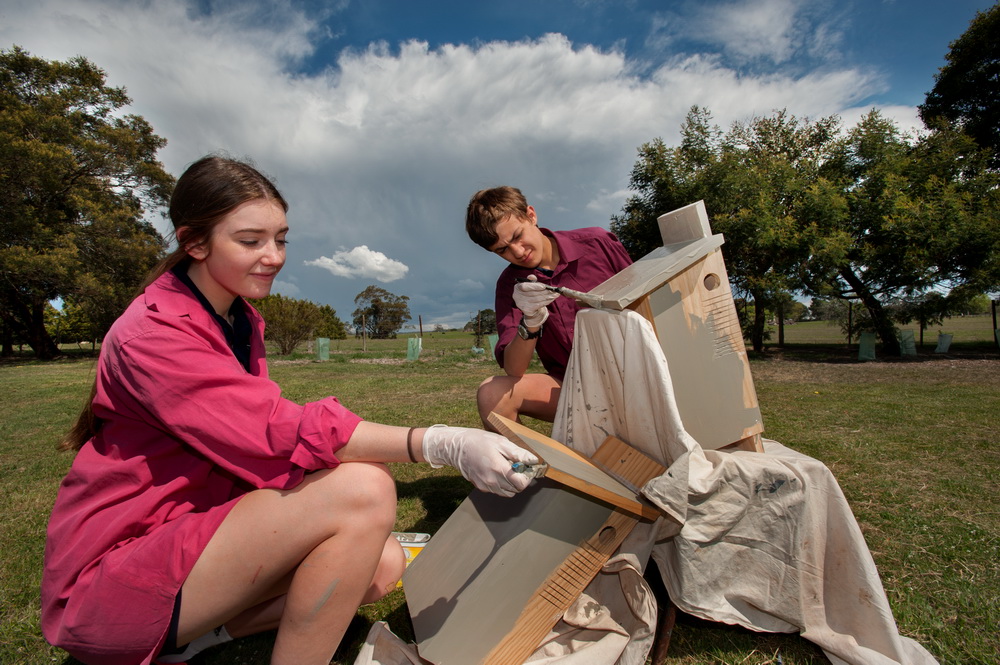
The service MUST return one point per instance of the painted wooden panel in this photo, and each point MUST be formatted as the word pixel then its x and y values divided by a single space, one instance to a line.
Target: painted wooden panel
pixel 498 575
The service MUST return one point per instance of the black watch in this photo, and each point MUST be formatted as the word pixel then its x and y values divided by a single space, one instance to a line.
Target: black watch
pixel 523 332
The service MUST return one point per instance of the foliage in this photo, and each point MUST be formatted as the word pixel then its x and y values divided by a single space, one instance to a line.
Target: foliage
pixel 756 183
pixel 289 322
pixel 77 178
pixel 967 89
pixel 380 313
pixel 914 216
pixel 71 325
pixel 331 326
pixel 869 214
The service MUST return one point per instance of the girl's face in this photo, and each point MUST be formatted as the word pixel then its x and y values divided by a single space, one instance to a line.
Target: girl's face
pixel 245 252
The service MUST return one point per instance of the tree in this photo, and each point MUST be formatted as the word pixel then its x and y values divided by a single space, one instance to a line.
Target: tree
pixel 71 325
pixel 77 178
pixel 380 313
pixel 331 326
pixel 755 181
pixel 483 323
pixel 870 215
pixel 289 321
pixel 967 89
pixel 909 216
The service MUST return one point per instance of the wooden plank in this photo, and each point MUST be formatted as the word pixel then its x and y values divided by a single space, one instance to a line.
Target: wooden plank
pixel 499 574
pixel 573 470
pixel 622 461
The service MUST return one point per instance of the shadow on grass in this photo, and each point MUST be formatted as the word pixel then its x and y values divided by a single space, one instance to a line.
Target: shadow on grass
pixel 440 496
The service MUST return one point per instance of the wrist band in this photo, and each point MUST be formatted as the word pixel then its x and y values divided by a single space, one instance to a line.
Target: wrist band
pixel 409 444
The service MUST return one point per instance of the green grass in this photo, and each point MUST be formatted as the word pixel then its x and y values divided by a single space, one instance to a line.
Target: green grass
pixel 914 443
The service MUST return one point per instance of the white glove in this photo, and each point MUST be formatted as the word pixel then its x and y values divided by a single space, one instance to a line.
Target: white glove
pixel 532 298
pixel 484 458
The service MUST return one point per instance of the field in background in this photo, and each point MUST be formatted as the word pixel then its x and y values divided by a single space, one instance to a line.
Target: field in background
pixel 914 443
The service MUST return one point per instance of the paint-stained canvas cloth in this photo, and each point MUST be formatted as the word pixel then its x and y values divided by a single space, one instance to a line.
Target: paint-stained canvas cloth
pixel 767 541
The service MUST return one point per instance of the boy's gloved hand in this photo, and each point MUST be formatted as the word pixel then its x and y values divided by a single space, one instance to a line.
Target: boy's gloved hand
pixel 484 458
pixel 532 298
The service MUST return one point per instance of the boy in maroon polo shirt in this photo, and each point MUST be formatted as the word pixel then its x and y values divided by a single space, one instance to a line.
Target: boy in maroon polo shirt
pixel 530 317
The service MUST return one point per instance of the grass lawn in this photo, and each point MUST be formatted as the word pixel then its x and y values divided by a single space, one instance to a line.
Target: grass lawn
pixel 914 443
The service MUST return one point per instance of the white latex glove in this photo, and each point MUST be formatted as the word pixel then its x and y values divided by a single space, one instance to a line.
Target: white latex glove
pixel 532 298
pixel 484 458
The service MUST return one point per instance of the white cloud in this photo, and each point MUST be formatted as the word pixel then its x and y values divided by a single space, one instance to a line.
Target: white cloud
pixel 608 200
pixel 775 32
pixel 753 29
pixel 385 146
pixel 361 262
pixel 287 289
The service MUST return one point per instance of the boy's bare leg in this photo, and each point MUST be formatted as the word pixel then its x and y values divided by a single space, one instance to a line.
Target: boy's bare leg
pixel 533 395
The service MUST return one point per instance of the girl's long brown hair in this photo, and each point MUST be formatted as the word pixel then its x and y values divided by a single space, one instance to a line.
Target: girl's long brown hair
pixel 206 192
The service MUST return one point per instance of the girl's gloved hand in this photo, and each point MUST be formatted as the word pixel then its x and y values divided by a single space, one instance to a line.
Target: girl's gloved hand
pixel 484 458
pixel 532 298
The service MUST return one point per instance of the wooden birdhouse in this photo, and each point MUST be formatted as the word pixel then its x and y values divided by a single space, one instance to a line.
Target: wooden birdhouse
pixel 683 289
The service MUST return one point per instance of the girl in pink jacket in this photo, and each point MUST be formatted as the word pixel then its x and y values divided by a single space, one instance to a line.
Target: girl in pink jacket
pixel 202 505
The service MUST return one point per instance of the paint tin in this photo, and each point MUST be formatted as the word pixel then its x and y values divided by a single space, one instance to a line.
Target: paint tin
pixel 413 544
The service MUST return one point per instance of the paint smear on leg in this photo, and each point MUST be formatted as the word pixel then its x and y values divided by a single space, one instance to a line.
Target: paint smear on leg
pixel 325 597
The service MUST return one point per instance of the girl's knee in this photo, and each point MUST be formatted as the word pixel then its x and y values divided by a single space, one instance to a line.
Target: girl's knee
pixel 389 572
pixel 356 490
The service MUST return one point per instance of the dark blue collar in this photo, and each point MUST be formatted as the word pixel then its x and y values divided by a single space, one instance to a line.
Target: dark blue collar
pixel 238 333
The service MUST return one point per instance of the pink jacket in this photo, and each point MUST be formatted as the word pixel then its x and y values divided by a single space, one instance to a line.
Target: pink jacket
pixel 185 432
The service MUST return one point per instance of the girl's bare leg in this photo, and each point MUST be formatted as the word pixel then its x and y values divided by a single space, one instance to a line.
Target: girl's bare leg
pixel 325 546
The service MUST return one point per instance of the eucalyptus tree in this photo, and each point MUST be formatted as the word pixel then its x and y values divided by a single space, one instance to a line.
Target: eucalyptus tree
pixel 380 313
pixel 757 184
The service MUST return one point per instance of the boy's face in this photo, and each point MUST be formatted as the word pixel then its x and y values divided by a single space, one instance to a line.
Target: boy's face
pixel 520 241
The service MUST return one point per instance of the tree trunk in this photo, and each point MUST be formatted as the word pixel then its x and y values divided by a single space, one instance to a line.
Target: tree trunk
pixel 38 336
pixel 7 341
pixel 781 324
pixel 759 322
pixel 883 325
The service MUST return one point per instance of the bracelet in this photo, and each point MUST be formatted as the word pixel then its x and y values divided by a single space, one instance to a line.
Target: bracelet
pixel 409 444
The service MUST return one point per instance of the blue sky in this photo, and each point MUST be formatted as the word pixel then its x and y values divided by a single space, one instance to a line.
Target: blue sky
pixel 379 119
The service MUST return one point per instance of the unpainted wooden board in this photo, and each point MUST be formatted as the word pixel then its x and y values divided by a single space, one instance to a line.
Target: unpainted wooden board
pixel 573 470
pixel 499 573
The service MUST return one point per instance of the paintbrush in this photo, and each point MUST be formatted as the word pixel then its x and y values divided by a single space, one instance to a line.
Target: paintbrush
pixel 579 296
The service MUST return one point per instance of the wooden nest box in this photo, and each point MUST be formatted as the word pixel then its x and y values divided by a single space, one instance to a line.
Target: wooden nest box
pixel 683 289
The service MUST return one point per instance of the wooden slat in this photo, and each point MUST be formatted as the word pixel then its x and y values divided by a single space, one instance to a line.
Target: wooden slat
pixel 573 470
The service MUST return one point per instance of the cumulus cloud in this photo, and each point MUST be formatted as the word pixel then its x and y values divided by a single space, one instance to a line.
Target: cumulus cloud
pixel 384 145
pixel 361 262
